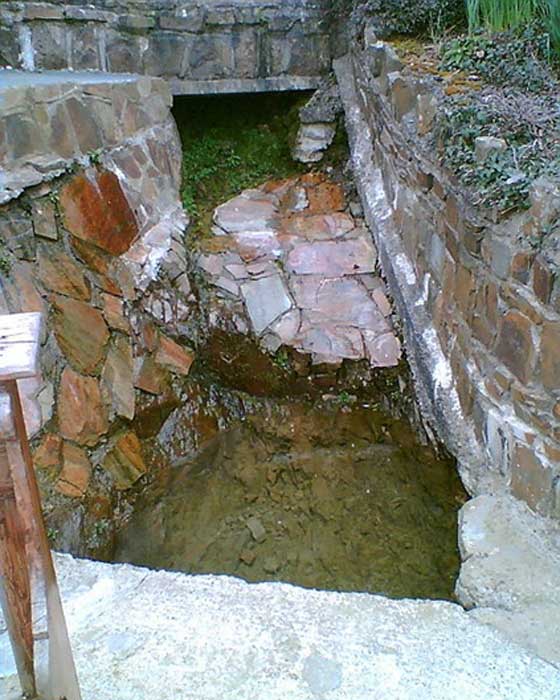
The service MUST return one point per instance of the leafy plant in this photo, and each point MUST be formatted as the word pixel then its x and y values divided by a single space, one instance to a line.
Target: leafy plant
pixel 415 16
pixel 282 359
pixel 501 15
pixel 5 262
pixel 530 125
pixel 516 58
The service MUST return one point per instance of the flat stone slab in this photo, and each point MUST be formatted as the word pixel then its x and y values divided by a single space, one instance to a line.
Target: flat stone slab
pixel 299 269
pixel 140 635
pixel 511 571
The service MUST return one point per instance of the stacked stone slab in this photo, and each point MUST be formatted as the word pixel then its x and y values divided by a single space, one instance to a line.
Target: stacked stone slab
pixel 92 237
pixel 202 46
pixel 290 265
pixel 480 306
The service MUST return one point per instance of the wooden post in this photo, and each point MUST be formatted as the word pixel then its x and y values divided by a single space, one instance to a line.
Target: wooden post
pixel 19 347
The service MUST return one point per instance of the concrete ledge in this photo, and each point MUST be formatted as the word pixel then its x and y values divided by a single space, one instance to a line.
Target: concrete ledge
pixel 140 634
pixel 215 87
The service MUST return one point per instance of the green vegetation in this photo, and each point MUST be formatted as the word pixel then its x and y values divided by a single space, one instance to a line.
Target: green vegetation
pixel 502 15
pixel 517 102
pixel 282 359
pixel 5 262
pixel 230 144
pixel 530 126
pixel 515 58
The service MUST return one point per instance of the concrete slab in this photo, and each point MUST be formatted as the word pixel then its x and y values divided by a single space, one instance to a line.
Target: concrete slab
pixel 140 635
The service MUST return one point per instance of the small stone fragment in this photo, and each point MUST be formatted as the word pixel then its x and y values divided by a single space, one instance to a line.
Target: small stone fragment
pixel 271 565
pixel 484 146
pixel 125 462
pixel 256 528
pixel 44 220
pixel 114 314
pixel 48 453
pixel 248 557
pixel 117 378
pixel 150 377
pixel 173 356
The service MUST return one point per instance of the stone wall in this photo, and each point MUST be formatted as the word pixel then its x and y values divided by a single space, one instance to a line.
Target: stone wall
pixel 480 307
pixel 205 46
pixel 92 237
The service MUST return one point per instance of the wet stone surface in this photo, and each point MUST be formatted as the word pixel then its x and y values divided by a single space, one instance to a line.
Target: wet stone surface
pixel 290 265
pixel 322 495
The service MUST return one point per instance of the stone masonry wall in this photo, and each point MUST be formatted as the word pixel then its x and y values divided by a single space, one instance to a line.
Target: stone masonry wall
pixel 205 46
pixel 92 236
pixel 480 307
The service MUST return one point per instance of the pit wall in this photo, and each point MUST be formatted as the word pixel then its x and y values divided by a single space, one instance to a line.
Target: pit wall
pixel 92 237
pixel 480 307
pixel 200 47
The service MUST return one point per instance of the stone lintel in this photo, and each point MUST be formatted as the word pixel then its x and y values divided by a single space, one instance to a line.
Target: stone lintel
pixel 251 85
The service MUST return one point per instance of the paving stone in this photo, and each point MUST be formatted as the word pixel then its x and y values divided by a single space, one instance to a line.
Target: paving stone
pixel 515 344
pixel 323 259
pixel 149 376
pixel 242 214
pixel 266 299
pixel 319 226
pixel 44 219
pixel 333 259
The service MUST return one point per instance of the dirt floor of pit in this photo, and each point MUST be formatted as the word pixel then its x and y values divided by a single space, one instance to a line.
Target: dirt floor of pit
pixel 324 496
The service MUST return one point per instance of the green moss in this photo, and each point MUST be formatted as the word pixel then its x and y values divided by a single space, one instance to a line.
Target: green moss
pixel 230 144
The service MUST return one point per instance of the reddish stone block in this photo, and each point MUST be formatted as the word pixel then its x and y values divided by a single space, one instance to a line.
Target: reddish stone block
pixel 47 455
pixel 515 345
pixel 80 331
pixel 173 356
pixel 95 209
pixel 74 478
pixel 325 198
pixel 543 279
pixel 521 266
pixel 81 414
pixel 59 273
pixel 464 289
pixel 550 356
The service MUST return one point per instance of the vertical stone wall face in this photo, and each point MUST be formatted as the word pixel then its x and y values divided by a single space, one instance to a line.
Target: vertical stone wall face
pixel 481 308
pixel 243 45
pixel 92 236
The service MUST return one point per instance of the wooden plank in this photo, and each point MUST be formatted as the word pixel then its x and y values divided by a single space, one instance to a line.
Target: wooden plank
pixel 15 587
pixel 19 345
pixel 63 679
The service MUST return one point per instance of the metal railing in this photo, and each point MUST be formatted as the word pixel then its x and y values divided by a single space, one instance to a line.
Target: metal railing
pixel 27 574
